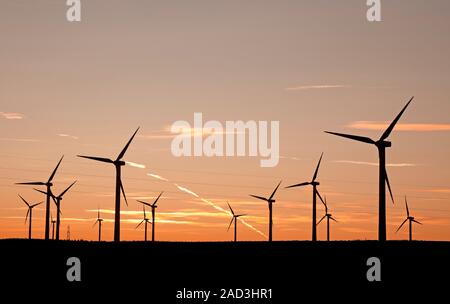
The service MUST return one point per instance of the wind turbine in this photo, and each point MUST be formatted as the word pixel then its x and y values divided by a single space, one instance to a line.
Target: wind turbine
pixel 53 226
pixel 30 213
pixel 118 163
pixel 153 208
pixel 316 193
pixel 410 219
pixel 57 200
pixel 234 218
pixel 381 145
pixel 48 184
pixel 329 217
pixel 99 221
pixel 269 201
pixel 145 221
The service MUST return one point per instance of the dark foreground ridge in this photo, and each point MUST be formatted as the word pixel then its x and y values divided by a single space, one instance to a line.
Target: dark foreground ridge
pixel 285 267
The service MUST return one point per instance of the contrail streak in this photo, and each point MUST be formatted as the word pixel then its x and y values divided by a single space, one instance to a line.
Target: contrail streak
pixel 136 165
pixel 217 207
pixel 157 177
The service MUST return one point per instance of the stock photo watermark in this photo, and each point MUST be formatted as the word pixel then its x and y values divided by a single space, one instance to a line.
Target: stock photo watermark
pixel 374 11
pixel 73 13
pixel 235 138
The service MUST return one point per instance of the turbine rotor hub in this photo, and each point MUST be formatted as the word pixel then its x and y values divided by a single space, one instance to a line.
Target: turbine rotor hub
pixel 119 163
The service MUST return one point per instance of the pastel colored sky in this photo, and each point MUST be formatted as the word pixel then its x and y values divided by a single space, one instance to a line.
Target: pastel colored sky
pixel 83 88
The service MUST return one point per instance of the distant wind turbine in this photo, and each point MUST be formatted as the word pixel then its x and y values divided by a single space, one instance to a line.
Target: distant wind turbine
pixel 48 184
pixel 53 226
pixel 99 221
pixel 316 193
pixel 118 163
pixel 234 219
pixel 29 213
pixel 381 145
pixel 153 208
pixel 57 200
pixel 329 217
pixel 145 221
pixel 269 201
pixel 410 219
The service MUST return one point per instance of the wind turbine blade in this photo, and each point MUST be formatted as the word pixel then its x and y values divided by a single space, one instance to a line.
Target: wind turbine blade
pixel 26 217
pixel 145 215
pixel 389 186
pixel 54 171
pixel 43 192
pixel 332 218
pixel 417 222
pixel 317 168
pixel 145 203
pixel 24 200
pixel 32 183
pixel 354 137
pixel 298 185
pixel 100 159
pixel 232 212
pixel 98 213
pixel 32 206
pixel 401 225
pixel 54 200
pixel 239 215
pixel 64 192
pixel 394 122
pixel 139 224
pixel 123 193
pixel 95 223
pixel 323 202
pixel 274 191
pixel 233 219
pixel 154 203
pixel 407 209
pixel 259 197
pixel 321 220
pixel 126 146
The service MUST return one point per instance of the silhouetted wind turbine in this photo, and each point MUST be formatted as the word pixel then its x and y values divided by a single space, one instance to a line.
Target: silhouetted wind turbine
pixel 153 208
pixel 269 201
pixel 410 219
pixel 57 200
pixel 48 184
pixel 234 218
pixel 329 217
pixel 118 163
pixel 53 226
pixel 145 221
pixel 381 145
pixel 316 193
pixel 99 221
pixel 30 213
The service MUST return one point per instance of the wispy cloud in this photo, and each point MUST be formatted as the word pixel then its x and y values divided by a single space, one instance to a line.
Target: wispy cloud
pixel 441 190
pixel 12 116
pixel 381 126
pixel 373 164
pixel 318 87
pixel 19 139
pixel 185 132
pixel 67 136
pixel 135 165
pixel 157 177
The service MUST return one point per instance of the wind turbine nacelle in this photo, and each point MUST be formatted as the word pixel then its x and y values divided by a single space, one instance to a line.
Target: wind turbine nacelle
pixel 314 183
pixel 119 163
pixel 271 201
pixel 385 143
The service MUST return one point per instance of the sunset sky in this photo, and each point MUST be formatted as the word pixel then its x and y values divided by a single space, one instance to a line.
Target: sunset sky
pixel 84 88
